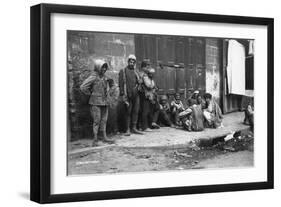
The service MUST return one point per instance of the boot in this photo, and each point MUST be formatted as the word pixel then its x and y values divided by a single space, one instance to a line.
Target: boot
pixel 106 139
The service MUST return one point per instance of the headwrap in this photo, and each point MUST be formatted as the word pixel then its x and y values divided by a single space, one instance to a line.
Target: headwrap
pixel 151 70
pixel 98 64
pixel 132 57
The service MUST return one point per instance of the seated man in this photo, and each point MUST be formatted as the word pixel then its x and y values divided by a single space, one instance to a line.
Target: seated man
pixel 212 113
pixel 186 115
pixel 201 102
pixel 249 116
pixel 176 108
pixel 162 115
pixel 192 118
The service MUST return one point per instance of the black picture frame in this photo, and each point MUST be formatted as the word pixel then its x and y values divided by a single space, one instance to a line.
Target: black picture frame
pixel 41 96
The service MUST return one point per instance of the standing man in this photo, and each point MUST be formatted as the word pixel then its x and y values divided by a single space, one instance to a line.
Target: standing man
pixel 150 98
pixel 145 65
pixel 96 85
pixel 129 81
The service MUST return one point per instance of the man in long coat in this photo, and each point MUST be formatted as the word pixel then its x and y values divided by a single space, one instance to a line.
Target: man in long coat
pixel 96 86
pixel 129 83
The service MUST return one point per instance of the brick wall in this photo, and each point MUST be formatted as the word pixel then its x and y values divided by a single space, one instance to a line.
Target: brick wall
pixel 213 68
pixel 81 48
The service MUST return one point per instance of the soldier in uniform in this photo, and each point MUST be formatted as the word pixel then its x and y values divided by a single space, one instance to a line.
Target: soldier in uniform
pixel 96 85
pixel 129 83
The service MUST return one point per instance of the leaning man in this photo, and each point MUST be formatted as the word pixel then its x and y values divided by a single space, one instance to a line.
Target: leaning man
pixel 96 85
pixel 129 83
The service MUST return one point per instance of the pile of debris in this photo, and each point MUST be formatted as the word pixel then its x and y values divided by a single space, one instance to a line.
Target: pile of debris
pixel 235 142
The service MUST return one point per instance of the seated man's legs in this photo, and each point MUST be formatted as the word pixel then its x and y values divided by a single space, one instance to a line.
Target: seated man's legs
pixel 176 119
pixel 164 118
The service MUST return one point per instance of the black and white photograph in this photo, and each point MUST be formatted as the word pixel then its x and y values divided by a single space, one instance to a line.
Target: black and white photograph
pixel 156 102
pixel 140 103
pixel 129 103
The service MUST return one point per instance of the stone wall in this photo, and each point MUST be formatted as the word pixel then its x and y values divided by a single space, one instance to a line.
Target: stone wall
pixel 213 67
pixel 114 48
pixel 81 48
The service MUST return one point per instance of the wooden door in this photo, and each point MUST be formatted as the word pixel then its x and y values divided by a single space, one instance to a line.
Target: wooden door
pixel 145 49
pixel 180 65
pixel 165 56
pixel 195 61
pixel 179 61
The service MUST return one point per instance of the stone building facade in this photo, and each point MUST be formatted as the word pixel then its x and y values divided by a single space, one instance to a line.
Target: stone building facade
pixel 81 48
pixel 183 64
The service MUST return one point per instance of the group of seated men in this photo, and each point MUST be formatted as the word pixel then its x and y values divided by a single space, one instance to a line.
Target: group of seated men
pixel 156 110
pixel 197 113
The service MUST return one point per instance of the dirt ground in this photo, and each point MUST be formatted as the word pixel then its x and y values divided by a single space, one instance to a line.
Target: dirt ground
pixel 237 152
